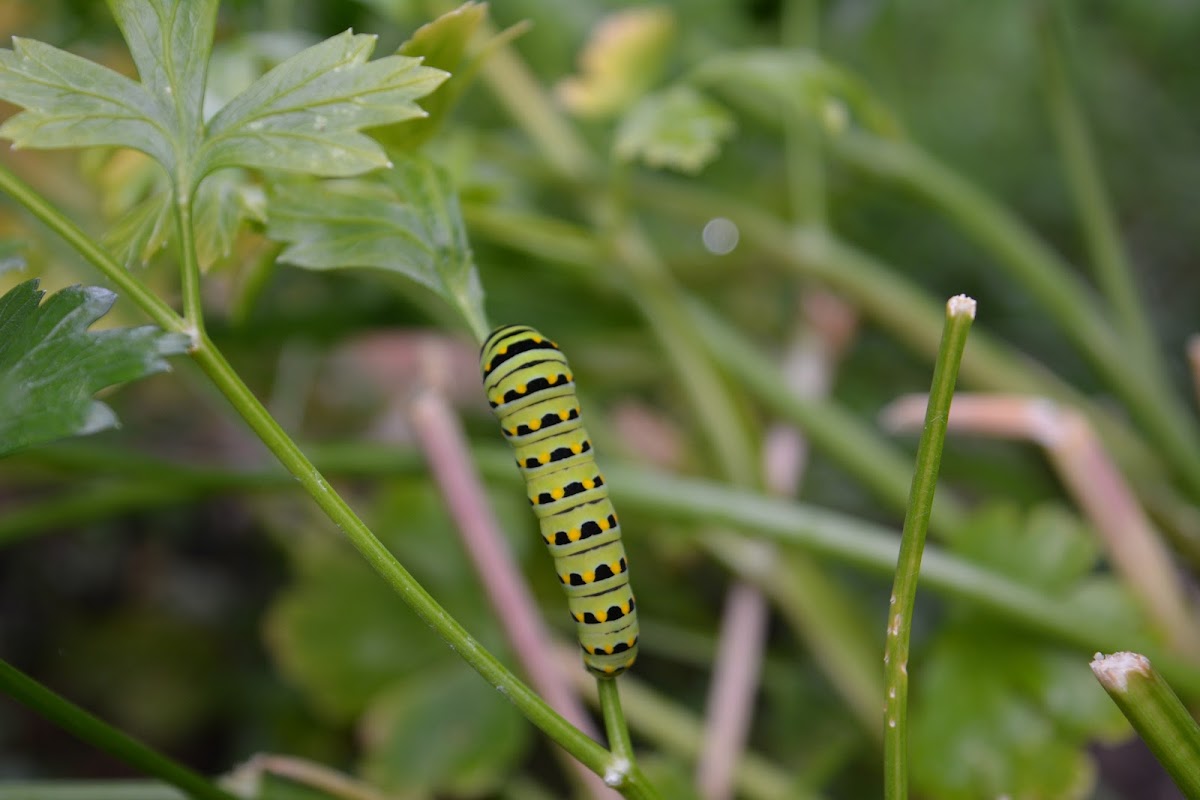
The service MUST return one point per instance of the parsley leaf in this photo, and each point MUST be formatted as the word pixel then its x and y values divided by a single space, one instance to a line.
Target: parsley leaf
pixel 50 365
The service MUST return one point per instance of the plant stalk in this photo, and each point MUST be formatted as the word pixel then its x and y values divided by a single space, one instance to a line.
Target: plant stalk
pixel 103 736
pixel 1156 713
pixel 58 222
pixel 960 313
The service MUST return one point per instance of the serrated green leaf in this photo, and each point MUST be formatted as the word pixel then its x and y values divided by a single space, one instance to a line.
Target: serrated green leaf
pixel 50 366
pixel 170 41
pixel 679 129
pixel 442 44
pixel 305 114
pixel 72 102
pixel 404 220
pixel 445 730
pixel 769 84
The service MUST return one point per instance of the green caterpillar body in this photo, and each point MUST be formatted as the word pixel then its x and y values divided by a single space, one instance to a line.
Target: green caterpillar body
pixel 532 392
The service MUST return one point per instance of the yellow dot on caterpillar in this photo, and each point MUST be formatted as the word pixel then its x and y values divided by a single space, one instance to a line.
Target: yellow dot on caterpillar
pixel 608 649
pixel 616 569
pixel 603 524
pixel 630 642
pixel 576 449
pixel 488 368
pixel 534 424
pixel 601 615
pixel 521 388
pixel 512 431
pixel 503 350
pixel 553 379
pixel 574 534
pixel 565 577
pixel 589 484
pixel 549 539
pixel 498 399
pixel 537 340
pixel 543 458
pixel 558 493
pixel 579 617
pixel 624 608
pixel 570 377
pixel 564 415
pixel 609 670
pixel 589 577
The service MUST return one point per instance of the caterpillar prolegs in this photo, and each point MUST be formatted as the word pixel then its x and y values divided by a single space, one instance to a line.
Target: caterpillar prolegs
pixel 532 392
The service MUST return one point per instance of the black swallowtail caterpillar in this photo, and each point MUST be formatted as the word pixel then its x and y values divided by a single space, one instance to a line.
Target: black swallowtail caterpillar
pixel 532 392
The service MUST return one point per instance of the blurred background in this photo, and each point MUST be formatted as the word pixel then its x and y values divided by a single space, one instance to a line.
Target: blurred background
pixel 216 617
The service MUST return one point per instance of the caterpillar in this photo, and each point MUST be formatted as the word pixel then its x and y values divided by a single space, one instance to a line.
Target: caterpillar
pixel 531 390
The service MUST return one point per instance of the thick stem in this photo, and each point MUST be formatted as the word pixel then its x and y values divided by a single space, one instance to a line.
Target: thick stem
pixel 1156 713
pixel 960 313
pixel 58 222
pixel 189 263
pixel 103 736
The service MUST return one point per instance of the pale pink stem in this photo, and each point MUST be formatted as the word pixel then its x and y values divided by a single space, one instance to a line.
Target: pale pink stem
pixel 1134 547
pixel 247 779
pixel 1193 356
pixel 440 437
pixel 731 693
pixel 826 327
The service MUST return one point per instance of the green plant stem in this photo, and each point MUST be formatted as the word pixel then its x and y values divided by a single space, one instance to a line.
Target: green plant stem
pixel 615 727
pixel 1114 274
pixel 103 736
pixel 264 426
pixel 1156 713
pixel 58 222
pixel 828 427
pixel 1071 303
pixel 89 790
pixel 189 266
pixel 675 730
pixel 960 312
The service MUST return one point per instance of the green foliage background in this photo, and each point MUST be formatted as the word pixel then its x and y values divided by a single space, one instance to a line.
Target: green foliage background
pixel 221 620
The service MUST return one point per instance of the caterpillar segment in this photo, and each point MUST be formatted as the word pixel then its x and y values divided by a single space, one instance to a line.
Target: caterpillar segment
pixel 531 390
